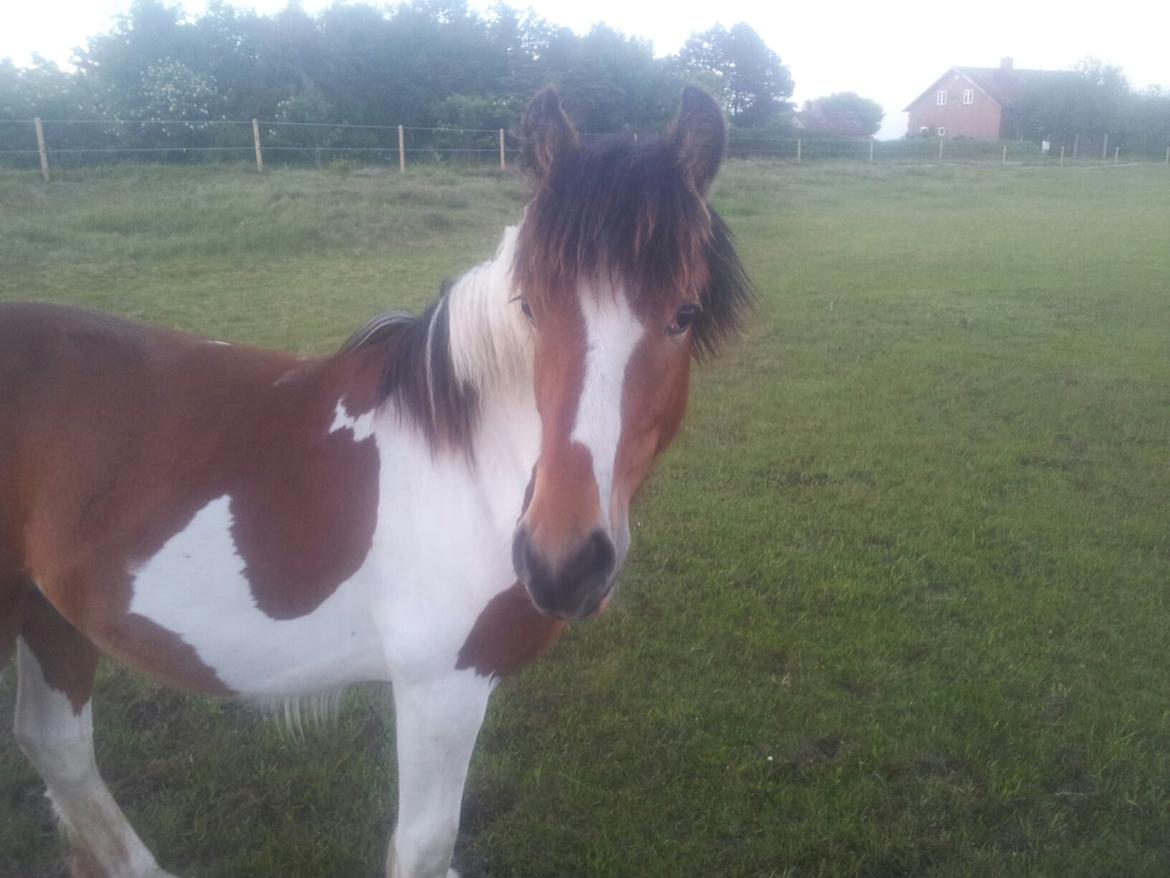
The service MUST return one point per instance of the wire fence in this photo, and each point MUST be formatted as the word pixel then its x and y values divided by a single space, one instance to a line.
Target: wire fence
pixel 63 143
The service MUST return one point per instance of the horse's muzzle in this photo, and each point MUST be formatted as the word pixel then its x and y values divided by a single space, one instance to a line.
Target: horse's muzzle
pixel 574 588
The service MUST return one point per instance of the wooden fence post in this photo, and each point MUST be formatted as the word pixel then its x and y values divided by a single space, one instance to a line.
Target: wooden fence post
pixel 871 140
pixel 41 148
pixel 401 150
pixel 503 158
pixel 256 141
pixel 798 150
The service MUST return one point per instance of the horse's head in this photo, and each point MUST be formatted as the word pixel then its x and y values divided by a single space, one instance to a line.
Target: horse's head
pixel 625 273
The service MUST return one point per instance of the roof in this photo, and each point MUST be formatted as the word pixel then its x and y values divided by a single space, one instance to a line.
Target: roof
pixel 1002 84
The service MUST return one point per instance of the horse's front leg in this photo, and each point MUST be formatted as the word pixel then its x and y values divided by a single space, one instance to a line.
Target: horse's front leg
pixel 437 723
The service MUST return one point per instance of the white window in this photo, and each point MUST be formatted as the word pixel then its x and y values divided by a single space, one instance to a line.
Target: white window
pixel 940 97
pixel 968 96
pixel 942 131
pixel 925 129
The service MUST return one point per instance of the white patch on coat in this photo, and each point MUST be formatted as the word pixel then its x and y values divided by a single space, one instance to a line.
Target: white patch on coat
pixel 612 333
pixel 196 587
pixel 362 426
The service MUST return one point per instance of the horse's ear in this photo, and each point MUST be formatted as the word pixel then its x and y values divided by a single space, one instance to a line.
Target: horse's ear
pixel 547 134
pixel 698 136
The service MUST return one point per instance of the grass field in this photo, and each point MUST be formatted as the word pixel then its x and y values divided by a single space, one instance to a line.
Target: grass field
pixel 898 601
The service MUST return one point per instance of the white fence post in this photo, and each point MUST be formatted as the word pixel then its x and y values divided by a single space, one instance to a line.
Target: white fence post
pixel 1076 143
pixel 41 148
pixel 1062 155
pixel 1004 154
pixel 871 141
pixel 940 147
pixel 1168 155
pixel 798 150
pixel 256 141
pixel 401 150
pixel 1105 147
pixel 1116 154
pixel 503 158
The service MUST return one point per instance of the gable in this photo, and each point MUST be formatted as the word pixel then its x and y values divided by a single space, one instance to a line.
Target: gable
pixel 933 87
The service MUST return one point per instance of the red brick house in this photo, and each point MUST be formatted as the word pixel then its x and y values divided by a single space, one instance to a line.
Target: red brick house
pixel 975 102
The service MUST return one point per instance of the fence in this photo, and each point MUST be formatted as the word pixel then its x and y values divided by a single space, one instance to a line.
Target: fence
pixel 65 142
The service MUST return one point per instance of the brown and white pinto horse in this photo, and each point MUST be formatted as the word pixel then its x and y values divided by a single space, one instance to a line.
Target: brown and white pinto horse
pixel 243 523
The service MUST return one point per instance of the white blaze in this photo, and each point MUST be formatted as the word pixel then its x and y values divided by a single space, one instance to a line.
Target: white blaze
pixel 612 332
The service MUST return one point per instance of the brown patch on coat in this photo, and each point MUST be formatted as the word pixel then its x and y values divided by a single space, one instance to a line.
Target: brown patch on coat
pixel 116 435
pixel 67 659
pixel 654 401
pixel 508 634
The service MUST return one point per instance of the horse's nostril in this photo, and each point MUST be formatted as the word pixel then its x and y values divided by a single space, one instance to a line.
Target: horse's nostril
pixel 576 585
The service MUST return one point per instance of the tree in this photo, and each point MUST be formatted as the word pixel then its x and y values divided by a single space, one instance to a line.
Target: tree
pixel 844 113
pixel 609 81
pixel 749 78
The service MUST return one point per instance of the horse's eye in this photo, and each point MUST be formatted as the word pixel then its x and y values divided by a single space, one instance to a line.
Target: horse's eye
pixel 683 319
pixel 526 308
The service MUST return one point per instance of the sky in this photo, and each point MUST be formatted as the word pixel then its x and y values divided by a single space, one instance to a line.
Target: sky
pixel 889 51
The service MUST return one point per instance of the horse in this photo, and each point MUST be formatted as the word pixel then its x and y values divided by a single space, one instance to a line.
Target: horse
pixel 427 507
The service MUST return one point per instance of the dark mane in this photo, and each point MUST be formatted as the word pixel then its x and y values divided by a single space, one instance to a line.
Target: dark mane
pixel 423 382
pixel 624 209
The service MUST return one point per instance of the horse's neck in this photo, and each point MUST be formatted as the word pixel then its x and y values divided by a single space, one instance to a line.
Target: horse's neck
pixel 490 351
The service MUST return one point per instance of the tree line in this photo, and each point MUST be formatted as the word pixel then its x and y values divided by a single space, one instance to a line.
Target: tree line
pixel 427 63
pixel 1095 103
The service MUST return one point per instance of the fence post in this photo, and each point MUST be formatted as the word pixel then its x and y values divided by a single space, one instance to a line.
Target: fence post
pixel 1076 143
pixel 1105 148
pixel 871 140
pixel 256 141
pixel 1005 153
pixel 503 158
pixel 1062 155
pixel 798 150
pixel 1116 154
pixel 1168 155
pixel 940 143
pixel 41 148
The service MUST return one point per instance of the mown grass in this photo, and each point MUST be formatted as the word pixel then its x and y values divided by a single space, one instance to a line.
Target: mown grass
pixel 899 599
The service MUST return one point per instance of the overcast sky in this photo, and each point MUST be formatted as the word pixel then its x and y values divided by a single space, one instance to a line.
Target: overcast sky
pixel 889 51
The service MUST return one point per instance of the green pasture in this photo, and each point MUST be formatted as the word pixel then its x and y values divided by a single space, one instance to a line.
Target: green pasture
pixel 899 598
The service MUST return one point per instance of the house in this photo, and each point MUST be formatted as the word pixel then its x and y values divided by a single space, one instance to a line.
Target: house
pixel 976 102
